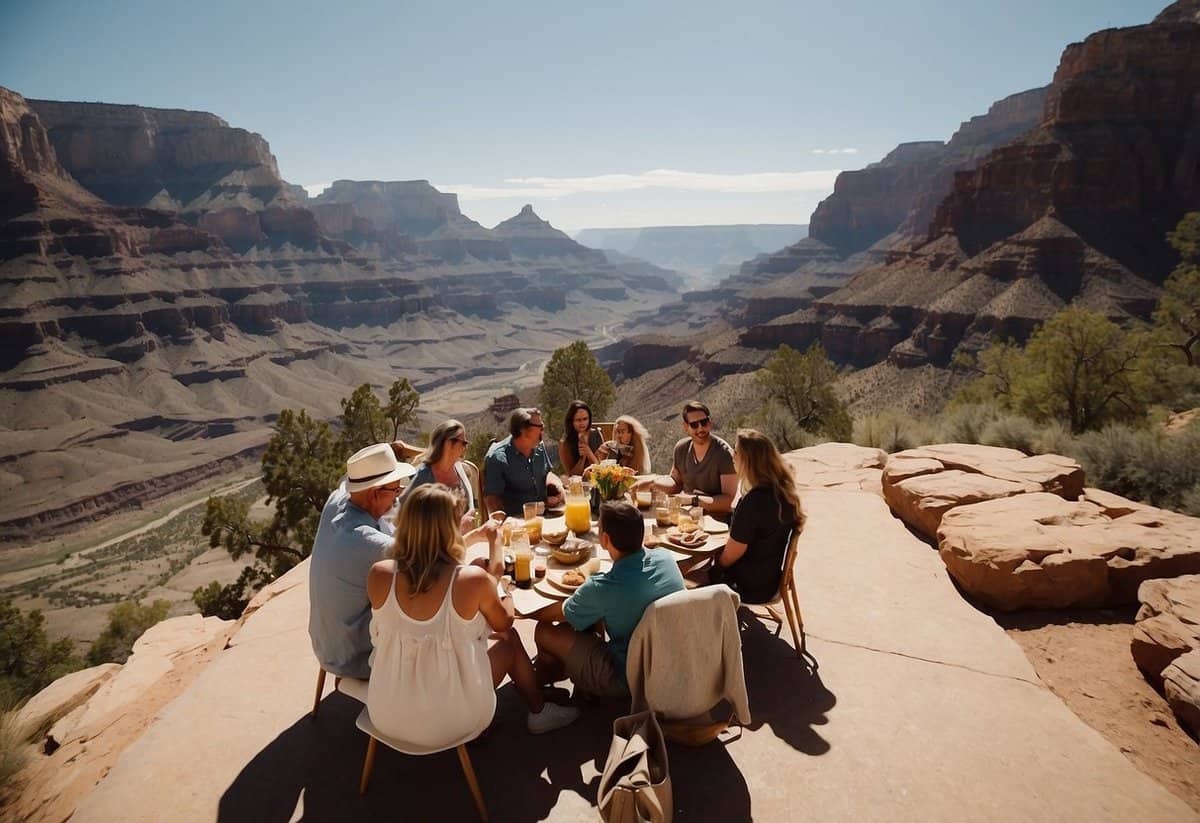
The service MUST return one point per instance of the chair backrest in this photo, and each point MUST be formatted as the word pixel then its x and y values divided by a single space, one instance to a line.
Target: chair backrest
pixel 789 561
pixel 685 655
pixel 481 481
pixel 472 472
pixel 606 430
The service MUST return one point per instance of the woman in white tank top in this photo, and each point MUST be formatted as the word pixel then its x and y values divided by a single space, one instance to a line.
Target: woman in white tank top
pixel 435 668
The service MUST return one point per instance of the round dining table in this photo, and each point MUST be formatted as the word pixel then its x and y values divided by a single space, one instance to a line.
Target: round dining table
pixel 548 590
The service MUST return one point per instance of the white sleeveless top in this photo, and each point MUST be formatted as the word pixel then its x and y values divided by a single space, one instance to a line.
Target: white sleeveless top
pixel 431 680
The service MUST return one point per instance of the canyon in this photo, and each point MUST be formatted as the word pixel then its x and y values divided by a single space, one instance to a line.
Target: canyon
pixel 1057 196
pixel 166 293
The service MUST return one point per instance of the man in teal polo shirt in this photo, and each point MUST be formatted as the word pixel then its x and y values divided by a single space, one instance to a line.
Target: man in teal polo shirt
pixel 618 597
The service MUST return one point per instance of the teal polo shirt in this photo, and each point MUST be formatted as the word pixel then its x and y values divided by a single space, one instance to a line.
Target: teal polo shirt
pixel 619 597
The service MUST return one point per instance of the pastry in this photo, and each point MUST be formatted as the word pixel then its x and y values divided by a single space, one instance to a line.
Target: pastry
pixel 573 578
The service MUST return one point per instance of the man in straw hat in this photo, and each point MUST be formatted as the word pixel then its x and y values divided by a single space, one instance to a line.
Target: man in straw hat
pixel 347 544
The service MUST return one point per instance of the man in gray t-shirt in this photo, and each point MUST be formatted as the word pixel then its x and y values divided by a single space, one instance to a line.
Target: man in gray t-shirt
pixel 702 466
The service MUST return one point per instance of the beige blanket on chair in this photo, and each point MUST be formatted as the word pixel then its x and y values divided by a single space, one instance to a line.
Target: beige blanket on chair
pixel 685 655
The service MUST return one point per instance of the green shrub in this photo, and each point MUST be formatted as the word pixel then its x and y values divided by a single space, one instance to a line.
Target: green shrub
pixel 13 750
pixel 126 623
pixel 1142 464
pixel 891 431
pixel 28 660
pixel 1010 431
pixel 1054 438
pixel 965 423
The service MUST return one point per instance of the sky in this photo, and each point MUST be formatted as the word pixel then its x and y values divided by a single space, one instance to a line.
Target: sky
pixel 598 114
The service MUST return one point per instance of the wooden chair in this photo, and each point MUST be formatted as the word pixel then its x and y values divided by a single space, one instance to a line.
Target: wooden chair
pixel 357 689
pixel 787 596
pixel 481 475
pixel 320 691
pixel 476 481
pixel 606 430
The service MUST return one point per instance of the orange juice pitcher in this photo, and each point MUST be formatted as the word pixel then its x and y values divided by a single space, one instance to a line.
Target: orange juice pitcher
pixel 578 514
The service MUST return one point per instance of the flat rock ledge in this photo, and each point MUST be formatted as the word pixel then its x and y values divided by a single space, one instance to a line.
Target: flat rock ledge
pixel 84 720
pixel 837 466
pixel 1037 550
pixel 1166 643
pixel 921 485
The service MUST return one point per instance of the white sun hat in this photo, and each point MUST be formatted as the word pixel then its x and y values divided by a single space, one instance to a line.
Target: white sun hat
pixel 375 466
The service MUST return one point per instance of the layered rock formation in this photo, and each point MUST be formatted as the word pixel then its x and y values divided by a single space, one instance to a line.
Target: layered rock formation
pixel 1074 212
pixel 176 332
pixel 1038 550
pixel 872 213
pixel 1166 643
pixel 922 484
pixel 1021 532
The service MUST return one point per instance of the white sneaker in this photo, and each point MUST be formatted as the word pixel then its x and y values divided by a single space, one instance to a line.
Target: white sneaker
pixel 551 717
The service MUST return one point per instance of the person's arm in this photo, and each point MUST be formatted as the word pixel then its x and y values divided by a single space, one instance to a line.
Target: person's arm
pixel 564 458
pixel 379 578
pixel 723 502
pixel 671 484
pixel 405 451
pixel 550 614
pixel 489 531
pixel 732 552
pixel 497 610
pixel 554 489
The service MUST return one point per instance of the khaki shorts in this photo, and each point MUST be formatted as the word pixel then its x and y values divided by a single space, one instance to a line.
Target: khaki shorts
pixel 593 669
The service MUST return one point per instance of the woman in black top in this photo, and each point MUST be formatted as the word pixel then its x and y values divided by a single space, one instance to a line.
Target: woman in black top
pixel 766 514
pixel 577 448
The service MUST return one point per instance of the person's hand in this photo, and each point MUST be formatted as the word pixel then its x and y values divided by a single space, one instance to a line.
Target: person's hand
pixel 554 499
pixel 603 452
pixel 628 471
pixel 467 523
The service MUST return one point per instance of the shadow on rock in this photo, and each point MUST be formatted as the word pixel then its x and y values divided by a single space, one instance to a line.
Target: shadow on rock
pixel 311 772
pixel 1036 619
pixel 785 693
pixel 314 767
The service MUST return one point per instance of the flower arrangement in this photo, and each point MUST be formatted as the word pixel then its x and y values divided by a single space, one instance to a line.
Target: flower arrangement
pixel 612 481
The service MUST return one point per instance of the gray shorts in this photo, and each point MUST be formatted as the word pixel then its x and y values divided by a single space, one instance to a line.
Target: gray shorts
pixel 593 668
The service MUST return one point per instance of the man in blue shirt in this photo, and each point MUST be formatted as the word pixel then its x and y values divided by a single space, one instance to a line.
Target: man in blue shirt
pixel 517 469
pixel 618 597
pixel 347 544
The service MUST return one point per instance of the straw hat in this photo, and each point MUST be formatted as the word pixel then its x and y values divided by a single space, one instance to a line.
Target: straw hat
pixel 374 466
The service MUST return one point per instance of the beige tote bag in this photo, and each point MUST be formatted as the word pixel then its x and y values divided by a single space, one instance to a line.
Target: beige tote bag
pixel 636 784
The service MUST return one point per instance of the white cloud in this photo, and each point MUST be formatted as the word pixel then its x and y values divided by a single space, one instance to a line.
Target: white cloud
pixel 315 189
pixel 848 150
pixel 555 187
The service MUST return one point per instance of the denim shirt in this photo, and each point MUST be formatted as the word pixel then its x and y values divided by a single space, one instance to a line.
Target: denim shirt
pixel 347 544
pixel 515 478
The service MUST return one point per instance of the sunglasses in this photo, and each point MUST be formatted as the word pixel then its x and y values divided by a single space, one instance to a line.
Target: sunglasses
pixel 392 489
pixel 695 424
pixel 462 440
pixel 537 425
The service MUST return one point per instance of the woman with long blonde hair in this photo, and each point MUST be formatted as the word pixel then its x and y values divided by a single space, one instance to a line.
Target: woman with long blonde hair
pixel 767 513
pixel 629 445
pixel 435 668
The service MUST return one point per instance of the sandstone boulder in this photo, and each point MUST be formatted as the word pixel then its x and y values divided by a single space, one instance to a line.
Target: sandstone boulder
pixel 837 466
pixel 1168 624
pixel 922 484
pixel 1181 685
pixel 1038 550
pixel 63 696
